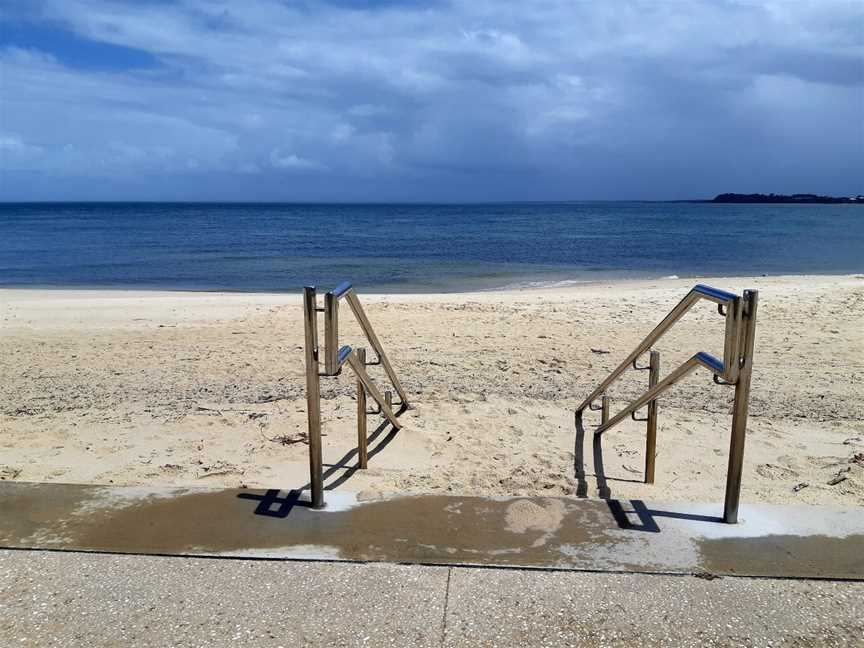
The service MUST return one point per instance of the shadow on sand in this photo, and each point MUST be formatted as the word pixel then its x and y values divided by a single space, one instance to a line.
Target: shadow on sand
pixel 270 504
pixel 623 511
pixel 630 515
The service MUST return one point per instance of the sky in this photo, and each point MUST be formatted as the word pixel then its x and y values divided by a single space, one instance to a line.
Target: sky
pixel 461 100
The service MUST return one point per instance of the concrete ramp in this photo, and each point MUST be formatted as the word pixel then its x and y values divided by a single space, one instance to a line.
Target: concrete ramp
pixel 530 532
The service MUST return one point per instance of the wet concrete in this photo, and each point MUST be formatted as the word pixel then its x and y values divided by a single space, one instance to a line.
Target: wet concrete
pixel 558 533
pixel 818 556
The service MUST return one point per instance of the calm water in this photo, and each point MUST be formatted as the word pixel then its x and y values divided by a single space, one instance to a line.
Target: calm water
pixel 271 247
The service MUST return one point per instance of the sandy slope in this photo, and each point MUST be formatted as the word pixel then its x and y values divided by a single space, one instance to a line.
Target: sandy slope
pixel 181 388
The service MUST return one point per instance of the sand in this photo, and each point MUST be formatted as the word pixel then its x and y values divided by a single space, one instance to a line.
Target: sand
pixel 208 389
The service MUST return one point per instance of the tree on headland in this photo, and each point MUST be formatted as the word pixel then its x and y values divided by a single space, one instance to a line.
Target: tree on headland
pixel 782 198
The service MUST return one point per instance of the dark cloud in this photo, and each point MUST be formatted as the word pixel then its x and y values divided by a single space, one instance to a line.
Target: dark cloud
pixel 471 100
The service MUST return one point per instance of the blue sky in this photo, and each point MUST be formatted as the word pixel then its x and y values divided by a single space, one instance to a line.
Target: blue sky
pixel 429 101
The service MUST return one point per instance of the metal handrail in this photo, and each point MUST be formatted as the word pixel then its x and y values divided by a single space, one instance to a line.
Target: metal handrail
pixel 735 369
pixel 730 304
pixel 331 331
pixel 700 359
pixel 335 358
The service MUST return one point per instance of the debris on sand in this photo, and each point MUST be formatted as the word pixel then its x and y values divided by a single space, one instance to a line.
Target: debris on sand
pixel 288 439
pixel 218 468
pixel 839 477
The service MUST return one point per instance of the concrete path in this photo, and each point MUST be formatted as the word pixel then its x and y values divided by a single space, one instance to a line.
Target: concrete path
pixel 677 591
pixel 537 532
pixel 72 599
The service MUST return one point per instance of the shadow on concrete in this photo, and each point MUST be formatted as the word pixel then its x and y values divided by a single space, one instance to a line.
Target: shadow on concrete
pixel 624 517
pixel 284 505
pixel 271 497
pixel 683 516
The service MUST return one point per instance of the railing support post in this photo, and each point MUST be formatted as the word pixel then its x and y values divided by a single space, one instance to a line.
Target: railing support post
pixel 604 413
pixel 651 437
pixel 362 449
pixel 740 407
pixel 331 334
pixel 313 397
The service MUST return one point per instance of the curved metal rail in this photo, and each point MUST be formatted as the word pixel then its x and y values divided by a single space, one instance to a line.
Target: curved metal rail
pixel 728 304
pixel 334 359
pixel 332 365
pixel 735 369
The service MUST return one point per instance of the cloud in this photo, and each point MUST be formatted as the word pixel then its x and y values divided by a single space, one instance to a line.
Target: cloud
pixel 17 155
pixel 291 161
pixel 469 99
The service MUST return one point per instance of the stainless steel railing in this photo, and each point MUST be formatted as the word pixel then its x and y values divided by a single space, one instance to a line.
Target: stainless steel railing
pixel 735 369
pixel 335 358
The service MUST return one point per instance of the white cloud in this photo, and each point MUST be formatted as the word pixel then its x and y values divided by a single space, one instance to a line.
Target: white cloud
pixel 16 154
pixel 12 144
pixel 291 161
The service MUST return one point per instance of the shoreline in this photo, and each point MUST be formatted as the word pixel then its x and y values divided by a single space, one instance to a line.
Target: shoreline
pixel 521 287
pixel 43 309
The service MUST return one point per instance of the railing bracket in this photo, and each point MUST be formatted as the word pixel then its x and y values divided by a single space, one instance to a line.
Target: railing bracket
pixel 638 368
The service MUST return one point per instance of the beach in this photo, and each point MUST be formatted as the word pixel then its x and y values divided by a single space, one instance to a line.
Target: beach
pixel 207 389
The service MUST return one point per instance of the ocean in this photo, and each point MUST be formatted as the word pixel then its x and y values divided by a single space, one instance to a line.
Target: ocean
pixel 415 247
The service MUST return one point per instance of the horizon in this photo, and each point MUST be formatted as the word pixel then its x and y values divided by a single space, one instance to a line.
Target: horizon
pixel 400 102
pixel 406 202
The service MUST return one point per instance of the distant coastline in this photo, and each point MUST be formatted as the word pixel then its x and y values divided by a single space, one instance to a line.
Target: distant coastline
pixel 782 198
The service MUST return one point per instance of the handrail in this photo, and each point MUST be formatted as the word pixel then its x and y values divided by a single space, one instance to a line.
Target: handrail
pixel 728 369
pixel 735 369
pixel 350 356
pixel 700 359
pixel 335 358
pixel 331 332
